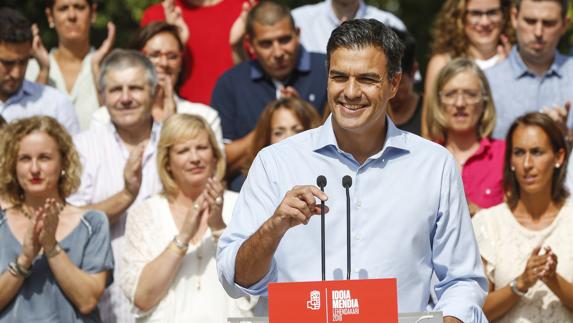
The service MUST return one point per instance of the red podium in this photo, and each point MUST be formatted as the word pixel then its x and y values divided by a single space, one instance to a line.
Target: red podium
pixel 345 301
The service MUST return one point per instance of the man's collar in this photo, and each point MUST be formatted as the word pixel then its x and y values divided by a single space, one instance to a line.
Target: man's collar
pixel 302 65
pixel 360 13
pixel 27 88
pixel 395 138
pixel 520 69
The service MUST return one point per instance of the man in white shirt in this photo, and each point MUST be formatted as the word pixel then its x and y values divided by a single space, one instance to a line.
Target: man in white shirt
pixel 20 98
pixel 119 157
pixel 317 21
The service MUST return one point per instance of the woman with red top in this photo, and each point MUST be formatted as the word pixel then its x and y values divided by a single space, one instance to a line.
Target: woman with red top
pixel 212 31
pixel 461 116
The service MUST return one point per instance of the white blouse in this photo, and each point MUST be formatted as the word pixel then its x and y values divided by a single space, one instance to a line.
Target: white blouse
pixel 506 245
pixel 195 294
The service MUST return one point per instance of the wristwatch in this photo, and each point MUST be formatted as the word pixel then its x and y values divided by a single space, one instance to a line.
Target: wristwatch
pixel 516 290
pixel 54 251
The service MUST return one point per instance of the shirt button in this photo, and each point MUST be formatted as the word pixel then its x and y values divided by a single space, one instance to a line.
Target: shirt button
pixel 487 191
pixel 357 237
pixel 359 204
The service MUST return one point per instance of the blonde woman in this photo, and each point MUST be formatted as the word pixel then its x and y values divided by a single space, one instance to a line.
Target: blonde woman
pixel 171 239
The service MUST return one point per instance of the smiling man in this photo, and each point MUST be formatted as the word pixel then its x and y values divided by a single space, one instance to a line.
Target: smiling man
pixel 535 76
pixel 118 158
pixel 410 217
pixel 282 68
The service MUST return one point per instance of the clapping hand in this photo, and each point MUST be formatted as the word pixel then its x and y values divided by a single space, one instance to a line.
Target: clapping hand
pixel 193 219
pixel 132 172
pixel 173 16
pixel 549 271
pixel 39 52
pixel 165 105
pixel 49 216
pixel 559 114
pixel 534 267
pixel 213 193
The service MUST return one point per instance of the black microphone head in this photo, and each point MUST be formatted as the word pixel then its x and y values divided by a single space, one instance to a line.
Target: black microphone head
pixel 321 181
pixel 346 181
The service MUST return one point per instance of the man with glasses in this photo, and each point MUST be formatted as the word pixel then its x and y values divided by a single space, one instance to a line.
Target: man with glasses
pixel 282 68
pixel 20 98
pixel 535 76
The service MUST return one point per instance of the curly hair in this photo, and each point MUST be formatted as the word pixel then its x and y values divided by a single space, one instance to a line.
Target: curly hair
pixel 178 128
pixel 12 135
pixel 437 124
pixel 448 29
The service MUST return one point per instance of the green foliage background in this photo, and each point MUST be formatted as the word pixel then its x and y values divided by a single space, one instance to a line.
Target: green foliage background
pixel 418 16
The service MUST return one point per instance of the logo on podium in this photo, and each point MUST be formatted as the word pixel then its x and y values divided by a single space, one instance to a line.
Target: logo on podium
pixel 342 301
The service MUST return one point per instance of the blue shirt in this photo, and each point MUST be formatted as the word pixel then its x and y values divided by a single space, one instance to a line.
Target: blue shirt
pixel 41 299
pixel 242 93
pixel 517 91
pixel 409 220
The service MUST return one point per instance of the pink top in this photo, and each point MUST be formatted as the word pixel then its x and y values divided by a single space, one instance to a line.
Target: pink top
pixel 482 174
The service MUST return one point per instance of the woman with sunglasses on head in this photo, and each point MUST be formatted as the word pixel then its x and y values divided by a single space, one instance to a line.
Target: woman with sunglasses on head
pixel 476 29
pixel 526 243
pixel 461 116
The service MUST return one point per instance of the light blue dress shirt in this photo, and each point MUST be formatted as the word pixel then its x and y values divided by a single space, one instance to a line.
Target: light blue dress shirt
pixel 517 91
pixel 409 219
pixel 33 99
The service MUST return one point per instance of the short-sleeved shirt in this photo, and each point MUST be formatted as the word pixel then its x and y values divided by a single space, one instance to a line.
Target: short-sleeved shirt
pixel 242 93
pixel 40 299
pixel 317 21
pixel 516 90
pixel 482 174
pixel 33 99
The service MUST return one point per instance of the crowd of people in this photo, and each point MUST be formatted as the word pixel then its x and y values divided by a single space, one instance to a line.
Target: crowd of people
pixel 166 181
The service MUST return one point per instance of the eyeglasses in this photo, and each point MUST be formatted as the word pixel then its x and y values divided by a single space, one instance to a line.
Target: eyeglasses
pixel 474 15
pixel 469 96
pixel 155 55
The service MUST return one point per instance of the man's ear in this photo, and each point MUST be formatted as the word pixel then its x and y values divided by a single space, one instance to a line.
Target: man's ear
pixel 249 45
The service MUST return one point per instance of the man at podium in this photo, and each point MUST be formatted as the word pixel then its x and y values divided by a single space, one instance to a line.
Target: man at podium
pixel 409 214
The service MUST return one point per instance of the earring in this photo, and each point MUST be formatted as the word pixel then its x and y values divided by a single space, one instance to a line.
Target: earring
pixel 557 165
pixel 51 25
pixel 62 173
pixel 512 168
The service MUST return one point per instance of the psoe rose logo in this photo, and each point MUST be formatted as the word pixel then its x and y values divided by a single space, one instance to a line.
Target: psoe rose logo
pixel 314 302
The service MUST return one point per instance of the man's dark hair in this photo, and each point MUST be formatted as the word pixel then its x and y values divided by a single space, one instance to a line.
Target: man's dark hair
pixel 361 33
pixel 267 13
pixel 50 3
pixel 409 57
pixel 563 3
pixel 14 27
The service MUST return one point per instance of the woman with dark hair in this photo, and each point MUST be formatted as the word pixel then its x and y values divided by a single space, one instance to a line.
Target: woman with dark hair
pixel 73 66
pixel 160 42
pixel 521 239
pixel 55 259
pixel 280 119
pixel 476 29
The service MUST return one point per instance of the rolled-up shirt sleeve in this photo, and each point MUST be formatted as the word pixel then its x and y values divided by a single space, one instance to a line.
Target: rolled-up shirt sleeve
pixel 257 201
pixel 462 286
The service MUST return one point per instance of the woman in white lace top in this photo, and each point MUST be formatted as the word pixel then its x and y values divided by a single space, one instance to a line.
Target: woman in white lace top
pixel 526 243
pixel 171 239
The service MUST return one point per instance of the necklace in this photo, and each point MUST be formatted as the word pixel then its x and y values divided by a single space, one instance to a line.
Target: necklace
pixel 29 216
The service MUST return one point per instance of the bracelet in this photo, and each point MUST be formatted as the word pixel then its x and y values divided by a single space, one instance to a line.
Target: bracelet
pixel 178 251
pixel 217 234
pixel 54 251
pixel 515 290
pixel 179 244
pixel 18 271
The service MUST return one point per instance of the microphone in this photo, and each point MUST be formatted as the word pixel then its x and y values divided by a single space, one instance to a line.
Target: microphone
pixel 321 182
pixel 346 183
